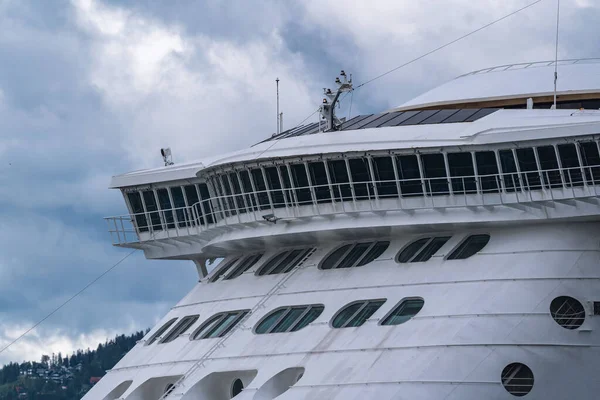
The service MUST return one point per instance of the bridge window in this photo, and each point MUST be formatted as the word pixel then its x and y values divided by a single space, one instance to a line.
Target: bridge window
pixel 421 250
pixel 228 200
pixel 179 204
pixel 470 246
pixel 219 325
pixel 404 311
pixel 206 207
pixel 435 172
pixel 509 169
pixel 570 164
pixel 261 188
pixel 156 335
pixel 385 177
pixel 274 185
pixel 531 180
pixel 487 169
pixel 223 270
pixel 318 177
pixel 549 164
pixel 340 180
pixel 166 206
pixel 462 172
pixel 284 262
pixel 247 188
pixel 182 326
pixel 361 178
pixel 517 379
pixel 409 175
pixel 235 185
pixel 244 266
pixel 356 313
pixel 152 210
pixel 591 159
pixel 137 208
pixel 289 319
pixel 301 184
pixel 191 195
pixel 567 312
pixel 354 255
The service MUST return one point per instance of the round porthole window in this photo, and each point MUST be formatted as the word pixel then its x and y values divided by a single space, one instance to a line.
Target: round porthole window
pixel 517 379
pixel 236 387
pixel 567 312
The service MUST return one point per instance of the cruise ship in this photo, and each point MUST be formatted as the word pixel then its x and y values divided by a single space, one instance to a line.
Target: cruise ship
pixel 448 248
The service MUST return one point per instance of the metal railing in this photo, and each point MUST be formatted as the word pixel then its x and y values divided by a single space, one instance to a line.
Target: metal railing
pixel 535 64
pixel 351 197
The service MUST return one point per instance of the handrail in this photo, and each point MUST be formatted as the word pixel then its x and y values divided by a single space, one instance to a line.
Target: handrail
pixel 347 197
pixel 534 64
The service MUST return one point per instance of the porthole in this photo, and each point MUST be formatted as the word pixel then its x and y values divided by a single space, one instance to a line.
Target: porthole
pixel 284 262
pixel 517 379
pixel 155 336
pixel 421 250
pixel 567 312
pixel 404 311
pixel 469 247
pixel 236 387
pixel 356 313
pixel 355 255
pixel 289 319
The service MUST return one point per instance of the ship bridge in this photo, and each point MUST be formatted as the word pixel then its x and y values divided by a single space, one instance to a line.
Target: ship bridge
pixel 491 165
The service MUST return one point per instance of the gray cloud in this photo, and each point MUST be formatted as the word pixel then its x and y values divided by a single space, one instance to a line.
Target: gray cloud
pixel 89 89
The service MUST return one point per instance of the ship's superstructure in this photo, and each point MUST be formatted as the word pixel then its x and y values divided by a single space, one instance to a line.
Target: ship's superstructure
pixel 445 249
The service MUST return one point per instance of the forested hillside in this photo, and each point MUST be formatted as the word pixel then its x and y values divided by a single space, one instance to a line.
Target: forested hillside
pixel 63 377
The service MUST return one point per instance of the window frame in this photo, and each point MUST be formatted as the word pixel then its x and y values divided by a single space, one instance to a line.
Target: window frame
pixel 402 301
pixel 356 313
pixel 306 252
pixel 172 335
pixel 156 336
pixel 422 248
pixel 288 309
pixel 215 320
pixel 221 271
pixel 463 242
pixel 347 252
pixel 228 275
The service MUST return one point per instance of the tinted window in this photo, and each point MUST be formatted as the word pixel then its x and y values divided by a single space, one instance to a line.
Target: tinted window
pixel 274 185
pixel 289 319
pixel 182 326
pixel 354 255
pixel 462 172
pixel 301 183
pixel 509 167
pixel 434 167
pixel 487 169
pixel 284 262
pixel 152 209
pixel 421 250
pixel 166 206
pixel 318 177
pixel 356 314
pixel 156 335
pixel 526 157
pixel 219 325
pixel 244 266
pixel 179 204
pixel 237 189
pixel 261 188
pixel 339 179
pixel 549 164
pixel 469 247
pixel 361 178
pixel 591 159
pixel 206 204
pixel 137 208
pixel 385 177
pixel 404 311
pixel 409 175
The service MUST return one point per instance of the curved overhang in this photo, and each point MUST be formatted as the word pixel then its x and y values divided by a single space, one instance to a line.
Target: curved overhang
pixel 512 84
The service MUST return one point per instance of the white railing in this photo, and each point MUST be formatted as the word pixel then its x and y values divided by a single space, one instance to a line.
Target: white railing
pixel 352 197
pixel 535 64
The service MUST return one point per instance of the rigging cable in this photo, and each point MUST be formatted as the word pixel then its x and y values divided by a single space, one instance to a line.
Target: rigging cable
pixel 448 44
pixel 556 51
pixel 96 279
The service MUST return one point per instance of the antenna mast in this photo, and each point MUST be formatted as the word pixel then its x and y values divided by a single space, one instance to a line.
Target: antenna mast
pixel 328 110
pixel 556 53
pixel 278 115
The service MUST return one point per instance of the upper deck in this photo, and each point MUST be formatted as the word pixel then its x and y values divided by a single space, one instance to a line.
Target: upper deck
pixel 507 166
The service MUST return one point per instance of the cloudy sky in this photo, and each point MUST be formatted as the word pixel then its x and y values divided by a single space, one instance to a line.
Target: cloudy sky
pixel 89 89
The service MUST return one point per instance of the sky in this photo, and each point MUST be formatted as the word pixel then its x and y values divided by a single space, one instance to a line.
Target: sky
pixel 91 88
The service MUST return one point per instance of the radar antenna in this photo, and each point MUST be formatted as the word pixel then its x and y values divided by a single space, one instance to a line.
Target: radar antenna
pixel 166 155
pixel 327 109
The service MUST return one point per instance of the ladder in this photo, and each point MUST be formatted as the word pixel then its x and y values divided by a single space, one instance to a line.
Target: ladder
pixel 221 342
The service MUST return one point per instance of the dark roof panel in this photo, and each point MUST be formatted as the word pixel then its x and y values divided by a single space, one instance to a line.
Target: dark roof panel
pixel 439 116
pixel 402 116
pixel 461 115
pixel 418 118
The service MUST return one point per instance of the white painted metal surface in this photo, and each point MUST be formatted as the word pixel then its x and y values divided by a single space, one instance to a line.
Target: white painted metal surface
pixel 480 314
pixel 513 81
